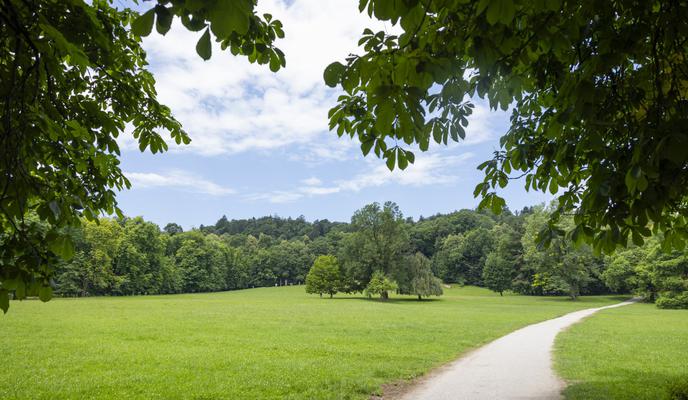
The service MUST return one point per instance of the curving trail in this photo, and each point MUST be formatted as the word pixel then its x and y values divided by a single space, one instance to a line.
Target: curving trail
pixel 515 366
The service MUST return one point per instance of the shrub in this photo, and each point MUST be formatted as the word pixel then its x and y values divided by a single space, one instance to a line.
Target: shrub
pixel 380 284
pixel 673 301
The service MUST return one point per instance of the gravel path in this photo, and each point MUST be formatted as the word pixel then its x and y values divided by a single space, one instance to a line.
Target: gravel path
pixel 515 366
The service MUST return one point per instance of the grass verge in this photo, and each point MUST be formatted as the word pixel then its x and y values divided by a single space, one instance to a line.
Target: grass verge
pixel 633 352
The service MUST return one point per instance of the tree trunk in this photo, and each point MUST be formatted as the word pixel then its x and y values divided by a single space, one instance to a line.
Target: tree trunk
pixel 331 295
pixel 321 295
pixel 384 295
pixel 419 298
pixel 501 293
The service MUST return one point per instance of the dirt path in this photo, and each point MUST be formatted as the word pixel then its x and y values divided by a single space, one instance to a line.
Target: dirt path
pixel 515 366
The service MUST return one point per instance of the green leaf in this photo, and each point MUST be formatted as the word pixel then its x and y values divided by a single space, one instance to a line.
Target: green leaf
pixel 403 162
pixel 230 16
pixel 203 47
pixel 275 63
pixel 553 187
pixel 384 9
pixel 163 21
pixel 63 247
pixel 193 23
pixel 500 11
pixel 143 25
pixel 385 116
pixel 391 159
pixel 333 73
pixel 366 146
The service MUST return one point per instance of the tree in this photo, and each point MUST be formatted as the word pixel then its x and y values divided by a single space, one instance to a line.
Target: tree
pixel 562 267
pixel 202 261
pixel 289 261
pixel 447 260
pixel 461 258
pixel 73 77
pixel 173 229
pixel 380 284
pixel 422 283
pixel 323 276
pixel 597 90
pixel 378 243
pixel 91 272
pixel 498 273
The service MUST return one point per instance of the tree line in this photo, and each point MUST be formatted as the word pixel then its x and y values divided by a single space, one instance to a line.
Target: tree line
pixel 377 252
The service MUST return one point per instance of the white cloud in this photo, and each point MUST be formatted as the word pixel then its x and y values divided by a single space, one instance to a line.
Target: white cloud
pixel 312 181
pixel 429 169
pixel 177 179
pixel 228 105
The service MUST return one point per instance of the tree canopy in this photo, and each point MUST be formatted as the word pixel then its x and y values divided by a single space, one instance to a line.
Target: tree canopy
pixel 74 77
pixel 598 93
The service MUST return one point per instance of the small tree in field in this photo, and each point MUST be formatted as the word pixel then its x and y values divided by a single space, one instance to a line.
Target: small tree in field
pixel 423 283
pixel 323 276
pixel 380 284
pixel 498 273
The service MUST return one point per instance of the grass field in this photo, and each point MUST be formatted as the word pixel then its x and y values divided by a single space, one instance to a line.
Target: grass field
pixel 632 352
pixel 270 343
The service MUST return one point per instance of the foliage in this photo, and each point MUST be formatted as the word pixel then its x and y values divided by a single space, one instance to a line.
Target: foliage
pixel 426 235
pixel 422 282
pixel 560 268
pixel 447 261
pixel 323 276
pixel 461 258
pixel 73 77
pixel 597 92
pixel 378 243
pixel 132 257
pixel 498 273
pixel 380 284
pixel 650 272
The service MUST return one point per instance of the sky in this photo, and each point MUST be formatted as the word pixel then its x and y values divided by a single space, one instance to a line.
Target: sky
pixel 260 140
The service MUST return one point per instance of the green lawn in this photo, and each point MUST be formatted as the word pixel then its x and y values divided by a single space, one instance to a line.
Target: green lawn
pixel 632 352
pixel 270 343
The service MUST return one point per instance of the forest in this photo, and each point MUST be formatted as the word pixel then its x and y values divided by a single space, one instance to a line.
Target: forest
pixel 378 251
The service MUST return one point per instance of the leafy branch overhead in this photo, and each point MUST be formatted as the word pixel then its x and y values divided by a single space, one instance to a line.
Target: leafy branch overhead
pixel 598 93
pixel 234 24
pixel 74 76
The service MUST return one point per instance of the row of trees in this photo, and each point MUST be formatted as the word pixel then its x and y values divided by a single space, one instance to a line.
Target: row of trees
pixel 377 252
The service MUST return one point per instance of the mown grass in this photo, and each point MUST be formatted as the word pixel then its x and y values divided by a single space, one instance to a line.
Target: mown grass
pixel 633 352
pixel 270 343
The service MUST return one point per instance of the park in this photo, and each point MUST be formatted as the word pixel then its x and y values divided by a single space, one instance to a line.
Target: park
pixel 341 199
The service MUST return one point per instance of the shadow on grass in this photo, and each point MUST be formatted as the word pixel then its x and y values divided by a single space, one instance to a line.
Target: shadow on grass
pixel 388 301
pixel 628 384
pixel 586 298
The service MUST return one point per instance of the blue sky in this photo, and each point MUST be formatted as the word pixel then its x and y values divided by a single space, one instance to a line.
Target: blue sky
pixel 260 144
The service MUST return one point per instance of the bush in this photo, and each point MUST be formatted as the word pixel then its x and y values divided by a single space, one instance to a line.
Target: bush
pixel 673 301
pixel 380 284
pixel 678 390
pixel 323 276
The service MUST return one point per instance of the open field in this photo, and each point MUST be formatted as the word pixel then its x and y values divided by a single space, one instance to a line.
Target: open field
pixel 632 352
pixel 265 343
